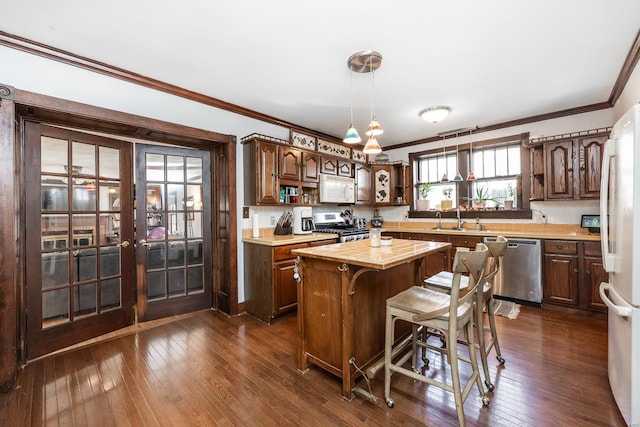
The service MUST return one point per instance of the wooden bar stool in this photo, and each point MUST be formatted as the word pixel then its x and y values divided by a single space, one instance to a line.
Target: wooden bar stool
pixel 447 313
pixel 442 282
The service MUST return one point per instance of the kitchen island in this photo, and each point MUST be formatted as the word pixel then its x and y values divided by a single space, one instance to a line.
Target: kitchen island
pixel 341 301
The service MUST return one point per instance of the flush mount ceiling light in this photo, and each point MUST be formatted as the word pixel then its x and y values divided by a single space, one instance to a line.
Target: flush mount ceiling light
pixel 434 114
pixel 366 61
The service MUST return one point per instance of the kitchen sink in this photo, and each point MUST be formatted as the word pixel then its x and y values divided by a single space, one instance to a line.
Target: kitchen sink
pixel 448 229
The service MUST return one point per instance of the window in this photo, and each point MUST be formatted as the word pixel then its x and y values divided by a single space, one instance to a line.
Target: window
pixel 496 170
pixel 432 169
pixel 501 171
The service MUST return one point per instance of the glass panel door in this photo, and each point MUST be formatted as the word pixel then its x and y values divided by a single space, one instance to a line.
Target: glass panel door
pixel 173 231
pixel 78 233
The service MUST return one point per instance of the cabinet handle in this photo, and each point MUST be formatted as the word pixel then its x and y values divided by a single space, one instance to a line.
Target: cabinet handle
pixel 569 169
pixel 466 242
pixel 587 272
pixel 575 270
pixel 559 247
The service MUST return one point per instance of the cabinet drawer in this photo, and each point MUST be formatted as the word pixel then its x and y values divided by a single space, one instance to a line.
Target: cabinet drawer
pixel 323 242
pixel 434 237
pixel 592 249
pixel 284 252
pixel 465 242
pixel 560 247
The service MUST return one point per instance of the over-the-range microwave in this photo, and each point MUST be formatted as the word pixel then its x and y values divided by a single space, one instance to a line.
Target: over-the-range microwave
pixel 337 189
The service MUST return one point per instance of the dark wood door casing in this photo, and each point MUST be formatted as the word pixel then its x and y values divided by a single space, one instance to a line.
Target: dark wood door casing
pixel 25 104
pixel 9 277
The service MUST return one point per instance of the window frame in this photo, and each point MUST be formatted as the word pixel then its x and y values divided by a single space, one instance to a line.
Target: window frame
pixel 523 186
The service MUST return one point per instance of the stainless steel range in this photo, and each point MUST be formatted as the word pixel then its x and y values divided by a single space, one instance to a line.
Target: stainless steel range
pixel 345 226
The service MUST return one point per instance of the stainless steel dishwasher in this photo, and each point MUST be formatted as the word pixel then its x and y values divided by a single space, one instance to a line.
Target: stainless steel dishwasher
pixel 521 275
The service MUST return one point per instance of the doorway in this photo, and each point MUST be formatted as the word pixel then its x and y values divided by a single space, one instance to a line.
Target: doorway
pixel 85 274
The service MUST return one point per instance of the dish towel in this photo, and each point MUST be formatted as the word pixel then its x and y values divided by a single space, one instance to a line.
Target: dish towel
pixel 507 309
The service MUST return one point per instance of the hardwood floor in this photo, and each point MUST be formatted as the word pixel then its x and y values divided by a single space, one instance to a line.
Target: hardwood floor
pixel 208 369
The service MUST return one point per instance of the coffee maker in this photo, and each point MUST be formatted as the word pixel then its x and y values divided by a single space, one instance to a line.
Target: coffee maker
pixel 303 220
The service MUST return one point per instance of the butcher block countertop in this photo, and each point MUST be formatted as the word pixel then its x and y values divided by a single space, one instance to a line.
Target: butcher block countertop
pixel 361 253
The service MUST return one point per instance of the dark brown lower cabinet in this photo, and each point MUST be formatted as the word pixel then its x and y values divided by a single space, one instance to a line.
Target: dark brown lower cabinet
pixel 573 272
pixel 269 286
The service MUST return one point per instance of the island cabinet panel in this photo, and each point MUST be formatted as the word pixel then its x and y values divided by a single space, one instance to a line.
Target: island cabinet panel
pixel 321 296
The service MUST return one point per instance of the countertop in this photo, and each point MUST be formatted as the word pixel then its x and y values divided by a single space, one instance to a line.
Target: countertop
pixel 360 252
pixel 524 230
pixel 530 231
pixel 269 239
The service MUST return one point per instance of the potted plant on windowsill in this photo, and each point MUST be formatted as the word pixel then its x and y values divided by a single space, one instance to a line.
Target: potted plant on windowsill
pixel 508 203
pixel 481 197
pixel 447 203
pixel 422 203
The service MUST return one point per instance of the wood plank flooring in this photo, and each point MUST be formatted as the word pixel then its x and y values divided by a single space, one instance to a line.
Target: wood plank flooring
pixel 208 369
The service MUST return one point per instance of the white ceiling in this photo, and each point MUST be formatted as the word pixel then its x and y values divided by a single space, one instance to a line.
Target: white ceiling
pixel 491 61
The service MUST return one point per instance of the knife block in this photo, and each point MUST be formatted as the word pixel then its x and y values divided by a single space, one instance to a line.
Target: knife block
pixel 281 230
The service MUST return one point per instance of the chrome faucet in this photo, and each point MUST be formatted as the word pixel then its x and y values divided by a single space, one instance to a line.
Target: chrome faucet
pixel 460 222
pixel 439 216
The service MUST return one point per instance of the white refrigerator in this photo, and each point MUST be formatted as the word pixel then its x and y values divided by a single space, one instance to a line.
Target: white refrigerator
pixel 620 234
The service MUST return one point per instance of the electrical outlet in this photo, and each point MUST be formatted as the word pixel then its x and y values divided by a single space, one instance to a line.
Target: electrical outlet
pixel 245 212
pixel 273 220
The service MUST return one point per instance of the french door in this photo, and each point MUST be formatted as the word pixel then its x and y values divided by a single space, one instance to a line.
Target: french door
pixel 79 237
pixel 173 231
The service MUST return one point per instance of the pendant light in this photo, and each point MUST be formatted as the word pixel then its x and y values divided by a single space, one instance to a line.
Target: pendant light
pixel 471 176
pixel 458 177
pixel 374 128
pixel 351 137
pixel 372 146
pixel 445 177
pixel 367 62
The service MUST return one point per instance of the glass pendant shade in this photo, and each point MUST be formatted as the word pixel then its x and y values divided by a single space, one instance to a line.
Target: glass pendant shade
pixel 445 178
pixel 471 176
pixel 374 128
pixel 372 146
pixel 458 177
pixel 352 136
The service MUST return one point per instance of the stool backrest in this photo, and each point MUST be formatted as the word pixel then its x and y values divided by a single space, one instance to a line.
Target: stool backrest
pixel 474 263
